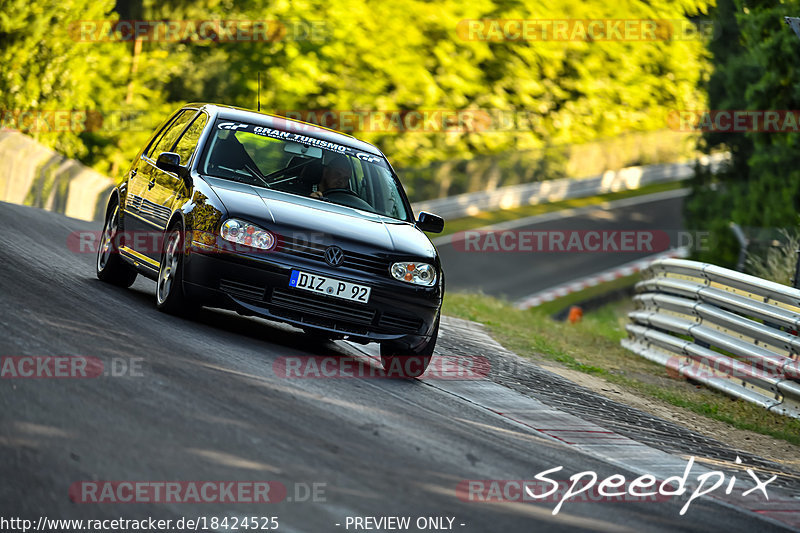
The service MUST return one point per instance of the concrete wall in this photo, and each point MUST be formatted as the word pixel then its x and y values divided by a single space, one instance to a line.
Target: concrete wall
pixel 32 174
pixel 537 192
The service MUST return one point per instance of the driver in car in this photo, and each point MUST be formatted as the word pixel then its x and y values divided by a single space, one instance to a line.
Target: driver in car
pixel 335 175
pixel 335 185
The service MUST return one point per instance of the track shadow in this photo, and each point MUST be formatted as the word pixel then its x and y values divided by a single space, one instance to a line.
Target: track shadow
pixel 254 328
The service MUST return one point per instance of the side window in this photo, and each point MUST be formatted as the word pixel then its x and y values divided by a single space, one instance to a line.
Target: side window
pixel 154 142
pixel 172 133
pixel 188 142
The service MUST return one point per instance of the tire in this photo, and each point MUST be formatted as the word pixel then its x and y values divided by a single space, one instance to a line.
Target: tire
pixel 405 363
pixel 169 283
pixel 110 267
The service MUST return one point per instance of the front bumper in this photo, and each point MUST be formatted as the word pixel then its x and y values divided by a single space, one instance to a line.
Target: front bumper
pixel 258 284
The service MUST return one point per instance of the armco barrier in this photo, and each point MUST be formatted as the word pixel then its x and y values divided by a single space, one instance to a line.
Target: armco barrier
pixel 730 331
pixel 554 190
pixel 32 174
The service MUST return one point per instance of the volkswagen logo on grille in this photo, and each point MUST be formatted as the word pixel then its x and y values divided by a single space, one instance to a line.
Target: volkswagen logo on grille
pixel 334 256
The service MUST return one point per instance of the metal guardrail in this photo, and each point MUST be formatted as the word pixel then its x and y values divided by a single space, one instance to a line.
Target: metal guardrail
pixel 727 330
pixel 563 189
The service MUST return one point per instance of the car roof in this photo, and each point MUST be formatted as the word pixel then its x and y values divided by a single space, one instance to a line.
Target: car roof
pixel 286 124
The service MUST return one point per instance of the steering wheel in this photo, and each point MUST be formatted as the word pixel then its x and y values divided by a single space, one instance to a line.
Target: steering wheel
pixel 341 191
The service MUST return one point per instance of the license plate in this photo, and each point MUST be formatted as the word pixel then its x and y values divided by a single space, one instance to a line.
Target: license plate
pixel 329 286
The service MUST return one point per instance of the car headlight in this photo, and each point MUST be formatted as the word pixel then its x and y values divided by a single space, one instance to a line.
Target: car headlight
pixel 416 273
pixel 241 232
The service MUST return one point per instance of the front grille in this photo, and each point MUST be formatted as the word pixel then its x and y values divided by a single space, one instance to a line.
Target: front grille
pixel 307 250
pixel 365 263
pixel 316 252
pixel 400 323
pixel 307 320
pixel 321 306
pixel 242 290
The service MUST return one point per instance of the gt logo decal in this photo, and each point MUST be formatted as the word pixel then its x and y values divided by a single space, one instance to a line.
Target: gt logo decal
pixel 232 126
pixel 367 157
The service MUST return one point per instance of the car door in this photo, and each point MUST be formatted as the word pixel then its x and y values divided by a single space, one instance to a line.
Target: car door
pixel 136 223
pixel 160 192
pixel 171 189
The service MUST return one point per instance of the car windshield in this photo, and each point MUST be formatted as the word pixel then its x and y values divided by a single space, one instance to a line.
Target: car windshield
pixel 302 165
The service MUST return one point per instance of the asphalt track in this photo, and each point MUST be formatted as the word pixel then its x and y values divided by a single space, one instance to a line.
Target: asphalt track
pixel 517 274
pixel 206 404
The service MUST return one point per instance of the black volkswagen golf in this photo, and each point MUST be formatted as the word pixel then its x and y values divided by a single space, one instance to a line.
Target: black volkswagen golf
pixel 277 218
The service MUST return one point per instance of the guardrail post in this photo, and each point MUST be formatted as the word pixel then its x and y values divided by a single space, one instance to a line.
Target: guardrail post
pixel 743 244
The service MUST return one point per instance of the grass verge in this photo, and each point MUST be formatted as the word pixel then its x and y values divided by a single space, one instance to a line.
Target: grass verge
pixel 592 346
pixel 493 217
pixel 554 306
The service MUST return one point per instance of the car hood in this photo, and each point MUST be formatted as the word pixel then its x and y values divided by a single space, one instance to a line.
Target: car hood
pixel 309 218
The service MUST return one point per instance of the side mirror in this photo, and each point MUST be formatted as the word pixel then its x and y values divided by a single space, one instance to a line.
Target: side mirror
pixel 171 162
pixel 430 222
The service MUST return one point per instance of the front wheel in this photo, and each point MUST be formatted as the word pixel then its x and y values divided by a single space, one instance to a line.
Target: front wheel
pixel 407 363
pixel 109 266
pixel 169 289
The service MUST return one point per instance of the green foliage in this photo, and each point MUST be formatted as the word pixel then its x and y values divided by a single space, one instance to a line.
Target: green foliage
pixel 361 55
pixel 44 68
pixel 755 68
pixel 778 262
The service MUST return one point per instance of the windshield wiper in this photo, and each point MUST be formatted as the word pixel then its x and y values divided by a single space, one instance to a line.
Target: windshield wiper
pixel 257 174
pixel 284 170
